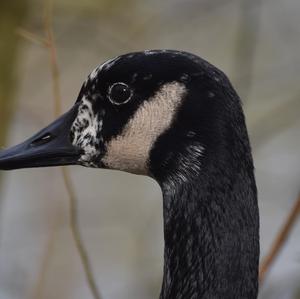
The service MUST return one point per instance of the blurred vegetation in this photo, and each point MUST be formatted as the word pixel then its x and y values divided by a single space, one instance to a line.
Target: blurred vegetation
pixel 12 15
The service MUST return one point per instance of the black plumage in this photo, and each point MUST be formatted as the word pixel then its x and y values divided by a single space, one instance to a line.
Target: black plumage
pixel 201 159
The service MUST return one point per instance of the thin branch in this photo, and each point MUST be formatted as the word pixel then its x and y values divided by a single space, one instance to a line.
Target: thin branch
pixel 67 180
pixel 76 235
pixel 33 38
pixel 279 241
pixel 49 43
pixel 38 289
pixel 53 59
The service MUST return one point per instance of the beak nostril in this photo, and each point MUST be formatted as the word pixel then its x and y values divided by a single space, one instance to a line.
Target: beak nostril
pixel 47 137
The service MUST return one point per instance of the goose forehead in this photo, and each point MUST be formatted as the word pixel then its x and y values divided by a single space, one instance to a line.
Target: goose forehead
pixel 107 65
pixel 104 66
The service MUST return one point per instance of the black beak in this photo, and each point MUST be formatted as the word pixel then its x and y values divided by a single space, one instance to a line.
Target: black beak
pixel 50 147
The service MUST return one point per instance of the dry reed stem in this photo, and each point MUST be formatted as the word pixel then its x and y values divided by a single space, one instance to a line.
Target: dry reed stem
pixel 279 241
pixel 38 290
pixel 35 39
pixel 53 59
pixel 49 43
pixel 74 225
pixel 66 176
pixel 76 235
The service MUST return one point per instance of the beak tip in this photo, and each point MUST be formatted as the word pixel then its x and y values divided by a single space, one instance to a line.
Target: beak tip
pixel 49 147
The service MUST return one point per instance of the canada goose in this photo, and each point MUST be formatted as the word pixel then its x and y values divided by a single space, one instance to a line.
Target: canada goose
pixel 175 117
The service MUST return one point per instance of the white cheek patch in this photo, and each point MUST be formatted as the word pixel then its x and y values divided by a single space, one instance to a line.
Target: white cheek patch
pixel 130 150
pixel 84 131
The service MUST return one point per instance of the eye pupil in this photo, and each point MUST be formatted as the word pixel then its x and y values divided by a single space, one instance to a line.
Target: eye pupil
pixel 119 93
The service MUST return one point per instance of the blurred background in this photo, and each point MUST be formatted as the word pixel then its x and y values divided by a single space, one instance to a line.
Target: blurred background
pixel 256 43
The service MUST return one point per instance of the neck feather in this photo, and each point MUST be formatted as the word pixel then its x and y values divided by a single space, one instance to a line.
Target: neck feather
pixel 211 232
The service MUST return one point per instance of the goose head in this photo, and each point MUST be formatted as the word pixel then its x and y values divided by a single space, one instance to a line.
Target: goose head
pixel 175 117
pixel 141 112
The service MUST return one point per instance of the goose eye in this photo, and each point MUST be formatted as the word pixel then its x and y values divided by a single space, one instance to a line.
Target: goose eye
pixel 119 93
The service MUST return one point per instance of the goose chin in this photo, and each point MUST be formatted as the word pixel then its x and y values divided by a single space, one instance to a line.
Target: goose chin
pixel 49 147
